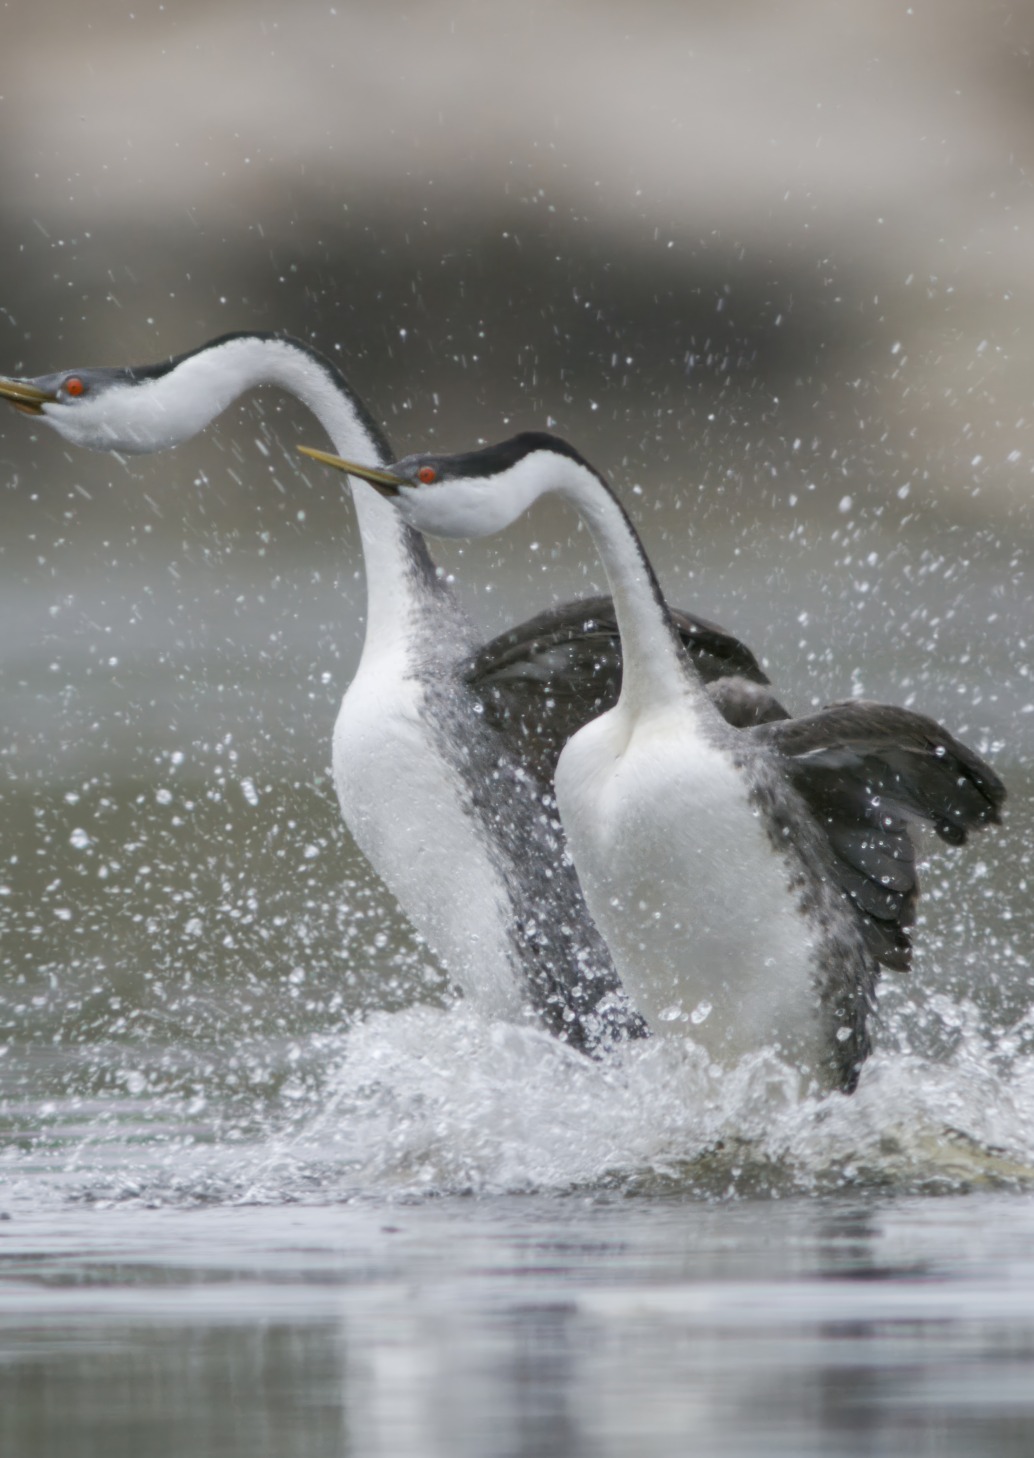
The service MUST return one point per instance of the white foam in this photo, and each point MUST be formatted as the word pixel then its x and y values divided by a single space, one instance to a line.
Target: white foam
pixel 441 1101
pixel 430 1101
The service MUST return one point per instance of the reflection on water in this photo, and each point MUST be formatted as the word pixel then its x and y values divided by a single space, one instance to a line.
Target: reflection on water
pixel 521 1327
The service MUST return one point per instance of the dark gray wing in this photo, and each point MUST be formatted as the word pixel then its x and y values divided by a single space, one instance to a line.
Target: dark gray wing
pixel 744 703
pixel 870 774
pixel 543 680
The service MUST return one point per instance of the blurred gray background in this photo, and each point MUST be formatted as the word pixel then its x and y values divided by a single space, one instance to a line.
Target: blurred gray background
pixel 770 267
pixel 807 220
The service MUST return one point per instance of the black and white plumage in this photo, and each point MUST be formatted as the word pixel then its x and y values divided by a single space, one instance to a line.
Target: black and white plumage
pixel 750 881
pixel 440 782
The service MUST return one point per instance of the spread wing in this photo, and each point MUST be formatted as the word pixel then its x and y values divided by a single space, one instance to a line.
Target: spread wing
pixel 543 680
pixel 871 773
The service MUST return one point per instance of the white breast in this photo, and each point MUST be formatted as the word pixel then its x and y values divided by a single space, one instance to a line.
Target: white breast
pixel 404 805
pixel 682 879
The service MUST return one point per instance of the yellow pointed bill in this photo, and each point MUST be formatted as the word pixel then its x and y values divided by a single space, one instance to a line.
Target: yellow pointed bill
pixel 26 397
pixel 385 482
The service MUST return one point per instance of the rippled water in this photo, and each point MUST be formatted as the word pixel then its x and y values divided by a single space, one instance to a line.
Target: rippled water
pixel 268 1190
pixel 521 1325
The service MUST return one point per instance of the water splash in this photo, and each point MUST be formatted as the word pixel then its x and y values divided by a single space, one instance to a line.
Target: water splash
pixel 430 1101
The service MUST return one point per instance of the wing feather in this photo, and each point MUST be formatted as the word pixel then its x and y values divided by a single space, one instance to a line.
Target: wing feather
pixel 545 679
pixel 872 774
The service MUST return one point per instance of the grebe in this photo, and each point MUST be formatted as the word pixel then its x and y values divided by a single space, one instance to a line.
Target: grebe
pixel 749 881
pixel 442 777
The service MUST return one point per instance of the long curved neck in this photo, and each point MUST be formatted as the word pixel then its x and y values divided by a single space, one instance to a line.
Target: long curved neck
pixel 655 669
pixel 400 575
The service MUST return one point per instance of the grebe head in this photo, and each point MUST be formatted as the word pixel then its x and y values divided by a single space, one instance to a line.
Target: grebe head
pixel 96 408
pixel 124 410
pixel 474 494
pixel 143 408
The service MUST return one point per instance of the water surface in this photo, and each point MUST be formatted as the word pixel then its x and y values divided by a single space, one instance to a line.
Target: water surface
pixel 854 1325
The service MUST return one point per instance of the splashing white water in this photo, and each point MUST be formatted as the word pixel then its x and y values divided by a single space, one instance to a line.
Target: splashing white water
pixel 430 1101
pixel 434 1101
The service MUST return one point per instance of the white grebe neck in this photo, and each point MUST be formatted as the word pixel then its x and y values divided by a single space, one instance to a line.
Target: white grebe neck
pixel 655 668
pixel 401 578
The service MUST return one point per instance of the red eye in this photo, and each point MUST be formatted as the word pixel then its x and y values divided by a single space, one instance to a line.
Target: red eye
pixel 427 474
pixel 74 386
